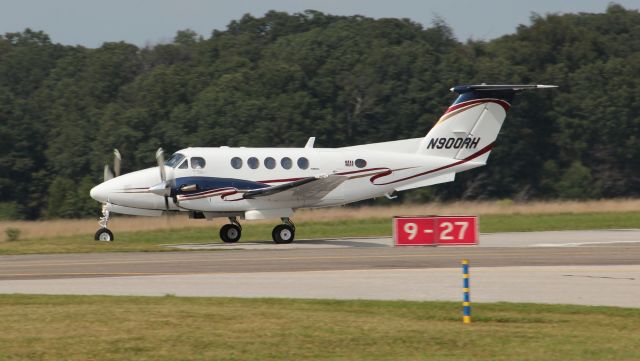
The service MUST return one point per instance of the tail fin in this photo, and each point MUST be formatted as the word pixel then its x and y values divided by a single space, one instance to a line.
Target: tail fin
pixel 470 126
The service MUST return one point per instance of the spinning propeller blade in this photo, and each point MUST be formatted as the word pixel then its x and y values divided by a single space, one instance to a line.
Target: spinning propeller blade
pixel 164 187
pixel 107 173
pixel 117 160
pixel 160 160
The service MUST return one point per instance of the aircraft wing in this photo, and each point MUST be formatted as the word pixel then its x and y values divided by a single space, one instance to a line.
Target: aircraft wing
pixel 309 189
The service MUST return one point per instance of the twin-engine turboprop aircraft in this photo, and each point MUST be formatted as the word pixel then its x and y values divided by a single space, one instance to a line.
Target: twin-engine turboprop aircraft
pixel 262 183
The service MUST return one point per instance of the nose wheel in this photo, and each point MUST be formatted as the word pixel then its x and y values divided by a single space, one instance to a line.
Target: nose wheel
pixel 230 233
pixel 104 234
pixel 284 233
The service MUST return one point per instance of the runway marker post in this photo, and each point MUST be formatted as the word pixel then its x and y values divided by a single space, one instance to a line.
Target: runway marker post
pixel 466 300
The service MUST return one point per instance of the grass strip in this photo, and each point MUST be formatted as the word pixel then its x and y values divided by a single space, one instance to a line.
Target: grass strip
pixel 178 328
pixel 152 240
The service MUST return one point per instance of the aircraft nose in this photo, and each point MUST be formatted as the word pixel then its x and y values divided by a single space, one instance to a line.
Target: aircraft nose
pixel 99 193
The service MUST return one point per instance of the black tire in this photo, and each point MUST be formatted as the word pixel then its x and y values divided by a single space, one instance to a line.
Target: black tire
pixel 104 235
pixel 283 233
pixel 230 233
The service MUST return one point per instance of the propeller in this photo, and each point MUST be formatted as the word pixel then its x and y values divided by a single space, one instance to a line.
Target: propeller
pixel 160 160
pixel 164 187
pixel 107 173
pixel 117 160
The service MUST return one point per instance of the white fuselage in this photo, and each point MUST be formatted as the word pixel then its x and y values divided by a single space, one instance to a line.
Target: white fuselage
pixel 258 183
pixel 370 171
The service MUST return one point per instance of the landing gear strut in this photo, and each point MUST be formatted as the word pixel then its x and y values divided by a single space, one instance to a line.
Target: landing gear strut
pixel 285 232
pixel 104 234
pixel 230 233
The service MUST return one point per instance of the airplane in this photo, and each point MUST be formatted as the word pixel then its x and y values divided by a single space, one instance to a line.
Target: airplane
pixel 266 183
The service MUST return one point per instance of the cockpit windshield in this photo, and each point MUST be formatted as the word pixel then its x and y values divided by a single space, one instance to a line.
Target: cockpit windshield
pixel 174 160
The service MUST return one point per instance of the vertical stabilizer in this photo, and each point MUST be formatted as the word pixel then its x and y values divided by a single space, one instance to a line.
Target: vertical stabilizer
pixel 471 124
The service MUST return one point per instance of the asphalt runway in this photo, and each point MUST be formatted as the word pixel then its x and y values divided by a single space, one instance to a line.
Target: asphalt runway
pixel 599 268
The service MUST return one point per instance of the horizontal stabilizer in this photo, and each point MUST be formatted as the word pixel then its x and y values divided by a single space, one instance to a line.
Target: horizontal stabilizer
pixel 496 87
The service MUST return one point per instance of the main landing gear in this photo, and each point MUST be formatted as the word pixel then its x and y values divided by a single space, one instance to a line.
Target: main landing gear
pixel 281 234
pixel 104 234
pixel 285 232
pixel 230 233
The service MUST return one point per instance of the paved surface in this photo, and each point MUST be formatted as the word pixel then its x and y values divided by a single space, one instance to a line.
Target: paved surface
pixel 587 285
pixel 598 267
pixel 506 239
pixel 174 263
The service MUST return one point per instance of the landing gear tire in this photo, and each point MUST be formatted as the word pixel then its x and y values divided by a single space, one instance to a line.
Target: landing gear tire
pixel 230 233
pixel 104 235
pixel 283 233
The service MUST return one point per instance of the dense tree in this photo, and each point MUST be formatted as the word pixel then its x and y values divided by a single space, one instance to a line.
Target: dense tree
pixel 277 79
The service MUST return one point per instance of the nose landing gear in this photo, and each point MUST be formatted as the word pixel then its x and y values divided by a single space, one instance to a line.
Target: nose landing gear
pixel 230 233
pixel 104 234
pixel 285 232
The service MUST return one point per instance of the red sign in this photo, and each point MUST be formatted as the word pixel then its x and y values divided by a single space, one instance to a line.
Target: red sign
pixel 435 230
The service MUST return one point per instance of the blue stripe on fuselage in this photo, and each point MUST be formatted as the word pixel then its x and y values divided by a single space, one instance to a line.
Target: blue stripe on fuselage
pixel 208 183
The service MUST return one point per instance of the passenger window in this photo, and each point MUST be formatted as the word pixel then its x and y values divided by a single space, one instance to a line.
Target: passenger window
pixel 286 163
pixel 269 162
pixel 361 163
pixel 184 164
pixel 303 163
pixel 253 162
pixel 197 163
pixel 236 162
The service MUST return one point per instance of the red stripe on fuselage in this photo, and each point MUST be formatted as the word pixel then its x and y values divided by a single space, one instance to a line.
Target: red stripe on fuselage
pixel 360 171
pixel 471 157
pixel 339 173
pixel 501 102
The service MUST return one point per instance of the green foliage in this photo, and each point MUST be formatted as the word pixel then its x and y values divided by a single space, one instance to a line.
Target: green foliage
pixel 70 200
pixel 13 234
pixel 576 183
pixel 277 79
pixel 9 210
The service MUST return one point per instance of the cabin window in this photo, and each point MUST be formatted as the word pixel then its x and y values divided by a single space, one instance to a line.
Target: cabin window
pixel 197 162
pixel 174 160
pixel 184 164
pixel 253 162
pixel 303 163
pixel 236 162
pixel 361 163
pixel 286 163
pixel 269 162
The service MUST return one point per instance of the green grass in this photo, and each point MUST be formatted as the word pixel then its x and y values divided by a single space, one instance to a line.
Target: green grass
pixel 177 328
pixel 152 241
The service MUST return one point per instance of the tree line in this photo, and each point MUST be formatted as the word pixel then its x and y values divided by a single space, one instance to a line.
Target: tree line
pixel 278 79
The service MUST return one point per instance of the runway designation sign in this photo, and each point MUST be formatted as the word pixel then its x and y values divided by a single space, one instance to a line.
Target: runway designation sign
pixel 435 230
